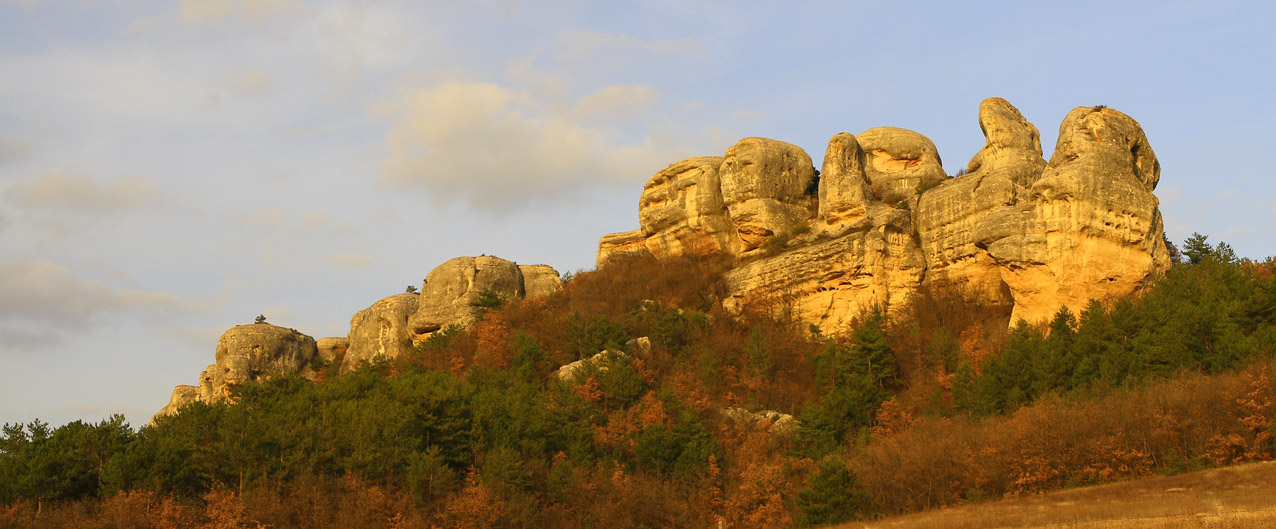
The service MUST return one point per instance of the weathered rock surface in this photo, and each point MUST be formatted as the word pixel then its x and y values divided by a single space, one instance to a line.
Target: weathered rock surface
pixel 1014 231
pixel 182 395
pixel 614 245
pixel 332 349
pixel 451 290
pixel 898 160
pixel 682 211
pixel 780 423
pixel 950 216
pixel 381 332
pixel 247 354
pixel 843 192
pixel 764 186
pixel 1090 227
pixel 540 280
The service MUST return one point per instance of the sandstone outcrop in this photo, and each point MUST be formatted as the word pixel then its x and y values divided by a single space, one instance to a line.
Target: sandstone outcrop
pixel 380 332
pixel 1013 231
pixel 451 290
pixel 1090 228
pixel 898 161
pixel 247 354
pixel 569 372
pixel 764 186
pixel 540 281
pixel 332 349
pixel 780 423
pixel 682 211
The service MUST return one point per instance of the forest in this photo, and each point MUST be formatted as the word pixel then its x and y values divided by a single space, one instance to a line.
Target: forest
pixel 938 403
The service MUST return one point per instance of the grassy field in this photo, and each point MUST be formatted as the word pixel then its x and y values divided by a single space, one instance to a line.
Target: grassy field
pixel 1239 497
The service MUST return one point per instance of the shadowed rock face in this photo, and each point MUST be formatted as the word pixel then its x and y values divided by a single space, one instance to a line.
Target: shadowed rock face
pixel 380 331
pixel 1014 231
pixel 332 348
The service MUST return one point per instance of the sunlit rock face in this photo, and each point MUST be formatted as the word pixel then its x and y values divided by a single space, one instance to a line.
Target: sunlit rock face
pixel 844 194
pixel 952 214
pixel 682 211
pixel 247 354
pixel 1089 227
pixel 1013 231
pixel 764 186
pixel 451 290
pixel 381 331
pixel 898 161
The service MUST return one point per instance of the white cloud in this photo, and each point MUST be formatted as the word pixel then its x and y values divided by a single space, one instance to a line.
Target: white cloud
pixel 40 301
pixel 495 146
pixel 80 193
pixel 618 102
pixel 251 82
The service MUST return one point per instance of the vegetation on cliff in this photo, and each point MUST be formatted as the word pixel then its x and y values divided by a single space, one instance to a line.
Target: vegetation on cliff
pixel 931 406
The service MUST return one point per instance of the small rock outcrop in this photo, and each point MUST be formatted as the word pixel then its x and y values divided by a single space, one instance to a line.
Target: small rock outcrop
pixel 452 290
pixel 569 372
pixel 332 349
pixel 1013 232
pixel 380 332
pixel 247 354
pixel 780 423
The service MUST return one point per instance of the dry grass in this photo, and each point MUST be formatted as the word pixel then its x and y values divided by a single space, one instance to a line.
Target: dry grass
pixel 1239 497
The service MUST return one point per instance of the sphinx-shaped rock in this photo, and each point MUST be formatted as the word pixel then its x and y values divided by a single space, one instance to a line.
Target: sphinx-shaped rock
pixel 950 215
pixel 844 192
pixel 246 354
pixel 250 353
pixel 898 161
pixel 682 211
pixel 764 186
pixel 1090 228
pixel 380 331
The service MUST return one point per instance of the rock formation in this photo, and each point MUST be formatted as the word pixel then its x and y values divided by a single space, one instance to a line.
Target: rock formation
pixel 247 354
pixel 451 291
pixel 1013 231
pixel 332 349
pixel 380 331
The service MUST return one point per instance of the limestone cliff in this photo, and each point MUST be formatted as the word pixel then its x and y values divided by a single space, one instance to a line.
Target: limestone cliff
pixel 885 220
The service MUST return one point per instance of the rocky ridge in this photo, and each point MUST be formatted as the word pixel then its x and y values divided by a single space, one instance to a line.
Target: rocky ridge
pixel 884 220
pixel 387 329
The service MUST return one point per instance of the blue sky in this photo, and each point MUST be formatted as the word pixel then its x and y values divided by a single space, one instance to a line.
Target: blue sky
pixel 171 169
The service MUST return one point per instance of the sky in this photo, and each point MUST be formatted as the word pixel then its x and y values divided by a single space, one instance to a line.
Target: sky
pixel 171 169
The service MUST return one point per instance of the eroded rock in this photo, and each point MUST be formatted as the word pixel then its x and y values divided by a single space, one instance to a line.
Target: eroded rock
pixel 764 186
pixel 381 331
pixel 540 280
pixel 898 161
pixel 844 192
pixel 682 211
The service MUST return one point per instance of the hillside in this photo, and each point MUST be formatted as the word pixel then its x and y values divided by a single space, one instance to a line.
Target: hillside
pixel 1239 497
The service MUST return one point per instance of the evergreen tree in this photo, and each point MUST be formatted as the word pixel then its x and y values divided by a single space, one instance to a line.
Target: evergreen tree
pixel 831 496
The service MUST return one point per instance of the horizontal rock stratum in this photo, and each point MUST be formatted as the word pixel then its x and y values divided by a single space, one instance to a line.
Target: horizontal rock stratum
pixel 884 220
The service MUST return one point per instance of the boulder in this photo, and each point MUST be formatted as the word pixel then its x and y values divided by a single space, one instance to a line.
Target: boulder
pixel 682 211
pixel 451 290
pixel 250 353
pixel 570 372
pixel 332 349
pixel 540 280
pixel 843 189
pixel 898 161
pixel 381 332
pixel 1090 227
pixel 780 423
pixel 764 186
